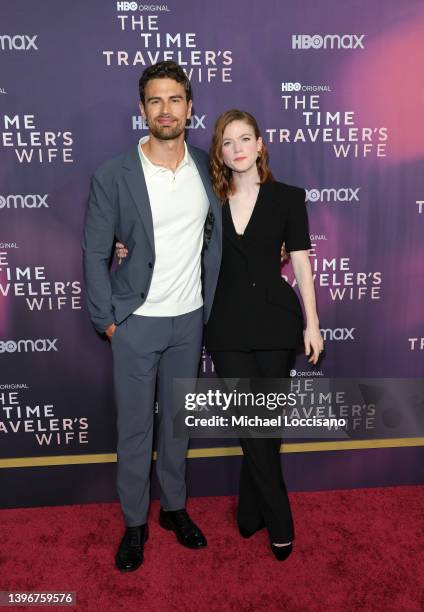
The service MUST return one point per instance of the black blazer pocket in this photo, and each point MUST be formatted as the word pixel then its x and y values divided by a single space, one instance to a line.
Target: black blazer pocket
pixel 285 296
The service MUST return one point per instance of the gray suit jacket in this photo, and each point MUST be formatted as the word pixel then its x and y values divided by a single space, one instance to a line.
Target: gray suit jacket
pixel 119 208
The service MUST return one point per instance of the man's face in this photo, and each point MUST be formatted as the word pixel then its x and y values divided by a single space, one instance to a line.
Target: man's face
pixel 165 108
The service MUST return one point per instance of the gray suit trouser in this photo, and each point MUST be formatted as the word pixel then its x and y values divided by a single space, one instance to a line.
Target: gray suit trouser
pixel 148 353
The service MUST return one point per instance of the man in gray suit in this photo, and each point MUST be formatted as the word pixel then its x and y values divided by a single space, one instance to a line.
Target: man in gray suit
pixel 158 200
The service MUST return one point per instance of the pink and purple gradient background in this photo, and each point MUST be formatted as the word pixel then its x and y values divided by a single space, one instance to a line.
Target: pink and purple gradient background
pixel 67 86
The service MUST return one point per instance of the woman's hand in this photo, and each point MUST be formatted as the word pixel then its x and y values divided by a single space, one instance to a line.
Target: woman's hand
pixel 284 255
pixel 314 343
pixel 120 251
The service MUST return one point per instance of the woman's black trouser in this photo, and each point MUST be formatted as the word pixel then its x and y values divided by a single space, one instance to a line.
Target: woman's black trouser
pixel 263 495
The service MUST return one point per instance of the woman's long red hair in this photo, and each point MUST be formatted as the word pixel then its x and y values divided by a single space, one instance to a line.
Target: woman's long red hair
pixel 222 176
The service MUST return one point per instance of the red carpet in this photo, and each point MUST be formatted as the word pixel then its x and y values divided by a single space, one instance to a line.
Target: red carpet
pixel 355 550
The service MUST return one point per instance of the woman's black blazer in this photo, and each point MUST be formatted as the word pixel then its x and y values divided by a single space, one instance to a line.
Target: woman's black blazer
pixel 253 307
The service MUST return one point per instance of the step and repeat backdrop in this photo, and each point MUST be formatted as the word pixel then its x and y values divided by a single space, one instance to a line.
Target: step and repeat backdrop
pixel 337 88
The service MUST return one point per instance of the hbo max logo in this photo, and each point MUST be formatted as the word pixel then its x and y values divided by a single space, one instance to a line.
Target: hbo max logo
pixel 290 86
pixel 328 41
pixel 343 194
pixel 339 333
pixel 41 345
pixel 19 42
pixel 24 201
pixel 126 6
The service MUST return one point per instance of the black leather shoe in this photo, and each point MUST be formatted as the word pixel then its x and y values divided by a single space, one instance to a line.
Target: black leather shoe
pixel 130 553
pixel 282 552
pixel 178 521
pixel 246 533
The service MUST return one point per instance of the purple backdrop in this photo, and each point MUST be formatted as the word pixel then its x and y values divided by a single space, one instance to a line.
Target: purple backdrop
pixel 337 90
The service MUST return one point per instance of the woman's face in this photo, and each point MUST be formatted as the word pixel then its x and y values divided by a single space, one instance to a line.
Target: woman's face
pixel 240 147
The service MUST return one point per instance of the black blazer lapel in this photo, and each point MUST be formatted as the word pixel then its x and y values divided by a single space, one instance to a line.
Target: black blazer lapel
pixel 134 177
pixel 257 219
pixel 229 230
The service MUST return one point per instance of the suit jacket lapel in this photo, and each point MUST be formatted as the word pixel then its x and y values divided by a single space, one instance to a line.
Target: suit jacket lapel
pixel 250 229
pixel 134 177
pixel 229 229
pixel 213 200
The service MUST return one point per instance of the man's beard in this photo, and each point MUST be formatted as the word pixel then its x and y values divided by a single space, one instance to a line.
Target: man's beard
pixel 166 132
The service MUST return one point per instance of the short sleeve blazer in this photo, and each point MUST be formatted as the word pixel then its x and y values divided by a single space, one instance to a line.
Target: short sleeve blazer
pixel 254 307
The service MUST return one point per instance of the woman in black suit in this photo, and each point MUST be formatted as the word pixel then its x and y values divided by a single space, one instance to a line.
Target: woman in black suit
pixel 256 323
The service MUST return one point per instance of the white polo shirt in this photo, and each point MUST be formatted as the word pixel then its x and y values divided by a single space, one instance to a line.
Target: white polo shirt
pixel 179 207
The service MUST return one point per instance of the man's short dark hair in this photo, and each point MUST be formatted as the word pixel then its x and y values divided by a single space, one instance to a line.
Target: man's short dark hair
pixel 162 70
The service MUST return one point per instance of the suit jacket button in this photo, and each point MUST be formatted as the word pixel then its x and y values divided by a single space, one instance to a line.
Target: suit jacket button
pixel 150 264
pixel 142 295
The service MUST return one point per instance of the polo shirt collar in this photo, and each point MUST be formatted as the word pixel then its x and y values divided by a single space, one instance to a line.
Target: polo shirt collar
pixel 150 169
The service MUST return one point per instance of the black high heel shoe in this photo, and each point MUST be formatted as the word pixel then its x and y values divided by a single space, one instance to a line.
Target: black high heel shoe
pixel 245 533
pixel 282 552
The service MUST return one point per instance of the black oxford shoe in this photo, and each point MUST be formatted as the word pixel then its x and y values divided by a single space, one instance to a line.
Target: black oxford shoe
pixel 178 521
pixel 130 553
